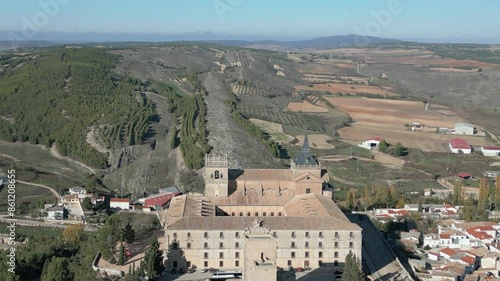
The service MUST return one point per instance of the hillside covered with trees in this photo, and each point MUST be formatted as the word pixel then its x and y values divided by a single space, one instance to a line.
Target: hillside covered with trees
pixel 56 98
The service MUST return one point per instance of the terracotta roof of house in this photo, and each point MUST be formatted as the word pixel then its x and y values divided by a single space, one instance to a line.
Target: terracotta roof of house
pixel 469 260
pixel 491 147
pixel 464 175
pixel 160 200
pixel 459 143
pixel 272 223
pixel 448 251
pixel 313 205
pixel 266 175
pixel 476 233
pixel 445 236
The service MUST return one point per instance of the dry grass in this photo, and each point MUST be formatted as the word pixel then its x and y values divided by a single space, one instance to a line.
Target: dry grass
pixel 350 89
pixel 275 130
pixel 317 141
pixel 306 107
pixel 449 69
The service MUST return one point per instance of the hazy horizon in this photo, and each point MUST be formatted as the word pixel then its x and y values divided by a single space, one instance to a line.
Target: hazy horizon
pixel 422 21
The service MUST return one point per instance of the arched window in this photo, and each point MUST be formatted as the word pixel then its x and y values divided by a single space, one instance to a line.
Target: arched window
pixel 217 174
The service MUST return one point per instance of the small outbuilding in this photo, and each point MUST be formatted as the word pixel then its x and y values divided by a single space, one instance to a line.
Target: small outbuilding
pixel 56 213
pixel 371 143
pixel 118 203
pixel 490 151
pixel 464 175
pixel 456 145
pixel 159 203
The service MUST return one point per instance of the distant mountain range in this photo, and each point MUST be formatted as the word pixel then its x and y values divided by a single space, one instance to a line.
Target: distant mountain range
pixel 329 42
pixel 267 42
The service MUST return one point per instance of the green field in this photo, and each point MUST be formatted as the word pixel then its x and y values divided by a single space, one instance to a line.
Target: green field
pixel 34 231
pixel 29 199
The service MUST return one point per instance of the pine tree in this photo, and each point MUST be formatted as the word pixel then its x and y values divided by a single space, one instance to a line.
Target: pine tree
pixel 497 194
pixel 367 198
pixel 121 257
pixel 56 269
pixel 352 268
pixel 351 199
pixel 153 261
pixel 484 194
pixel 458 193
pixel 128 233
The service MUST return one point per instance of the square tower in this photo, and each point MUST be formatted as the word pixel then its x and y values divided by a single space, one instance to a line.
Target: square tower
pixel 216 176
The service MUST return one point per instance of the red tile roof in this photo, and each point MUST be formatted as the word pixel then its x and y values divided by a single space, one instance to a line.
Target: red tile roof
pixel 491 147
pixel 119 200
pixel 468 260
pixel 448 251
pixel 160 200
pixel 464 175
pixel 444 236
pixel 458 143
pixel 473 231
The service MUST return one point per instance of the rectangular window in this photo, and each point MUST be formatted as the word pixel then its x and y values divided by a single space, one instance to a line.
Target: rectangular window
pixel 237 263
pixel 264 214
pixel 221 264
pixel 233 214
pixel 336 235
pixel 308 190
pixel 188 245
pixel 237 245
pixel 293 234
pixel 289 263
pixel 237 255
pixel 320 254
pixel 205 264
pixel 221 234
pixel 275 235
pixel 320 244
pixel 293 254
pixel 307 234
pixel 256 214
pixel 351 235
pixel 205 245
pixel 175 234
pixel 248 214
pixel 279 214
pixel 205 255
pixel 237 234
pixel 336 255
pixel 320 263
pixel 272 214
pixel 205 235
pixel 336 244
pixel 293 244
pixel 307 244
pixel 221 245
pixel 221 255
pixel 189 235
pixel 307 254
pixel 241 214
pixel 351 244
pixel 320 234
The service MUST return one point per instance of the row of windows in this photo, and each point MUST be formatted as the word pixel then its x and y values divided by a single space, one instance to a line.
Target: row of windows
pixel 237 245
pixel 256 214
pixel 293 235
pixel 221 255
pixel 221 264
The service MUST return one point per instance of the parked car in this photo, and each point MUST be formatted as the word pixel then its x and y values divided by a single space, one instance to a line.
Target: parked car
pixel 203 270
pixel 299 269
pixel 191 270
pixel 212 270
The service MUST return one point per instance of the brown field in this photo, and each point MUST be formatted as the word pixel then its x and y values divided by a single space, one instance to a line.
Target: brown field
pixel 305 107
pixel 316 141
pixel 386 118
pixel 275 130
pixel 347 88
pixel 450 69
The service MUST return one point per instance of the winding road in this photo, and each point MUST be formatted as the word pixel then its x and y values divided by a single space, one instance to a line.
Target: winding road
pixel 56 194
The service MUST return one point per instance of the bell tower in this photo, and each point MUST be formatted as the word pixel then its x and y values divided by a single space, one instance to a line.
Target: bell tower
pixel 216 175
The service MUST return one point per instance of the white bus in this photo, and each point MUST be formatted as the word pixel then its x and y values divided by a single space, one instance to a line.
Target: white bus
pixel 223 275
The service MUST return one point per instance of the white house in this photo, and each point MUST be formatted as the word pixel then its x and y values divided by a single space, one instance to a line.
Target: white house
pixel 371 143
pixel 464 129
pixel 490 151
pixel 431 240
pixel 433 256
pixel 456 145
pixel 117 203
pixel 77 190
pixel 55 213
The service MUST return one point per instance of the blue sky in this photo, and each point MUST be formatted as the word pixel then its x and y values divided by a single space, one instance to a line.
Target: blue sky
pixel 455 20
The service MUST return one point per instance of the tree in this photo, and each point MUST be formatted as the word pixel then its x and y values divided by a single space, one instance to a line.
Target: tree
pixel 398 149
pixel 367 198
pixel 420 207
pixel 121 256
pixel 351 199
pixel 352 268
pixel 382 146
pixel 401 203
pixel 128 233
pixel 73 233
pixel 153 261
pixel 86 204
pixel 497 194
pixel 484 195
pixel 458 193
pixel 56 269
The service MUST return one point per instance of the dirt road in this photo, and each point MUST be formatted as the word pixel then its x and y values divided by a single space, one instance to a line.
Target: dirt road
pixel 56 194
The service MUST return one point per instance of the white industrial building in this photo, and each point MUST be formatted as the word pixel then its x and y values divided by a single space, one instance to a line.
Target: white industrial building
pixel 464 129
pixel 117 203
pixel 490 151
pixel 371 143
pixel 456 145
